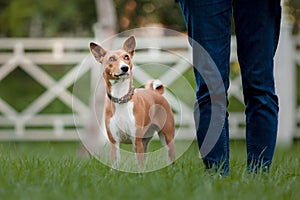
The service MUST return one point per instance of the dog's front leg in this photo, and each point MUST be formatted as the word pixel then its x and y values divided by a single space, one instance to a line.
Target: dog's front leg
pixel 115 154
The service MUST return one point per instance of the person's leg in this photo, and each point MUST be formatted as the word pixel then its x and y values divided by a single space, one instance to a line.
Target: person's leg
pixel 209 24
pixel 257 30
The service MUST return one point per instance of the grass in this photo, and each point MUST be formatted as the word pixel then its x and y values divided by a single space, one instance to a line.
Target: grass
pixel 55 171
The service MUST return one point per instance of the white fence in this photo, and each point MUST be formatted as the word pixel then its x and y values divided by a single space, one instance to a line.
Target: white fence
pixel 31 54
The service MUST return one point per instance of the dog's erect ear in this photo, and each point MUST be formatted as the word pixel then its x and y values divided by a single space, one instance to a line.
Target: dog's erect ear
pixel 129 45
pixel 97 51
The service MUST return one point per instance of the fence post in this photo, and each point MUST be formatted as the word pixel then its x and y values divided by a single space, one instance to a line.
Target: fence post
pixel 286 84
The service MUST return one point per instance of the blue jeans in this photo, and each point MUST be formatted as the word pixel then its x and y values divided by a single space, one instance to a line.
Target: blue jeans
pixel 257 27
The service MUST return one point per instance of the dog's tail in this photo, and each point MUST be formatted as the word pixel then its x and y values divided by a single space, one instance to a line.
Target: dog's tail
pixel 155 85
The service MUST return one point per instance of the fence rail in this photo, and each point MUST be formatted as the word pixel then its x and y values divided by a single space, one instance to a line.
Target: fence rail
pixel 30 54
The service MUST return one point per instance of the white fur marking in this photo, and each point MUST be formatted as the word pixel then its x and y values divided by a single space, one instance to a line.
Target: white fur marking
pixel 119 88
pixel 122 124
pixel 122 64
pixel 156 84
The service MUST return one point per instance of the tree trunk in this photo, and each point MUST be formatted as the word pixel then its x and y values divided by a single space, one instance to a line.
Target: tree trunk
pixel 107 18
pixel 94 139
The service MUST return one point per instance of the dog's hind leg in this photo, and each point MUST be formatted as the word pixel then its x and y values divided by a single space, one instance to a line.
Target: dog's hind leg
pixel 168 143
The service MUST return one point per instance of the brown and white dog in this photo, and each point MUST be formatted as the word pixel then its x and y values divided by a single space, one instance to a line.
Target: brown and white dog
pixel 133 115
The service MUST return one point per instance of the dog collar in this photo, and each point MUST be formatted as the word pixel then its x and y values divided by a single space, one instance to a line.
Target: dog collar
pixel 123 99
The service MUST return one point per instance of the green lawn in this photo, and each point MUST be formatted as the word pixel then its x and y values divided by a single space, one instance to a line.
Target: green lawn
pixel 51 170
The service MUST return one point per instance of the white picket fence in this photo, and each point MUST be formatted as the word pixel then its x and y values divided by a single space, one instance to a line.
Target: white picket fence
pixel 30 54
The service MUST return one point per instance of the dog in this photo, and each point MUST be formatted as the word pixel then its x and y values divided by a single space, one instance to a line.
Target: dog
pixel 133 115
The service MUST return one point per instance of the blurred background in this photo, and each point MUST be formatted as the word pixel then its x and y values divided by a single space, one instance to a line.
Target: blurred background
pixel 42 44
pixel 75 18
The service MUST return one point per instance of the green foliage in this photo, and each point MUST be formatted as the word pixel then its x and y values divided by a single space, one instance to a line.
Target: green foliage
pixel 55 171
pixel 133 14
pixel 19 18
pixel 51 18
pixel 56 18
pixel 293 14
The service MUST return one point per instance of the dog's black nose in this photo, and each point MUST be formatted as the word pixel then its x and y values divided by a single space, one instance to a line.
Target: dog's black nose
pixel 124 68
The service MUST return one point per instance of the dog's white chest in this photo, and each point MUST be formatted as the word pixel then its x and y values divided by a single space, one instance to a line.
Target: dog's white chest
pixel 122 123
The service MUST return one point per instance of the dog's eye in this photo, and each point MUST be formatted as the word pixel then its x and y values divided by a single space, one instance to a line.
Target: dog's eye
pixel 112 59
pixel 126 57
